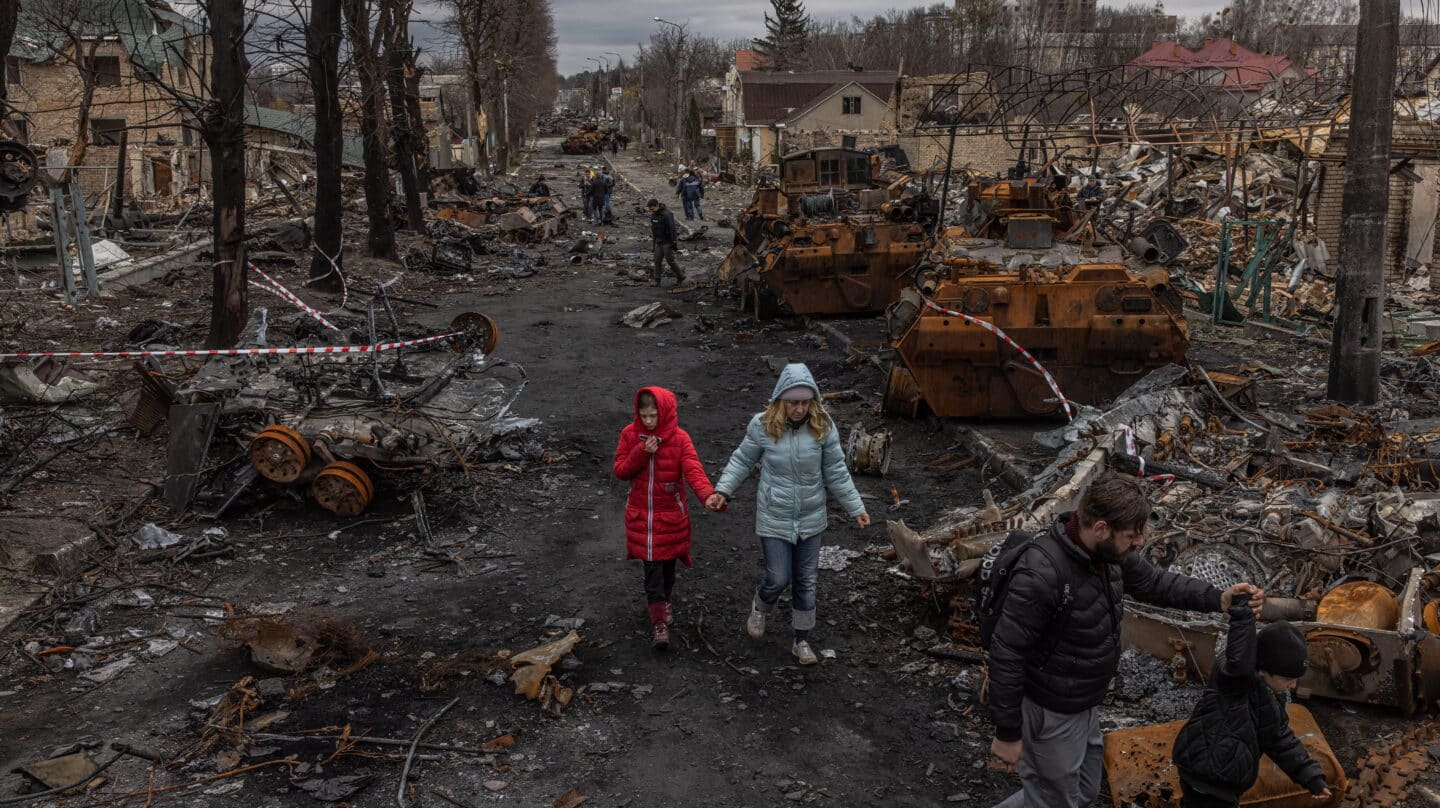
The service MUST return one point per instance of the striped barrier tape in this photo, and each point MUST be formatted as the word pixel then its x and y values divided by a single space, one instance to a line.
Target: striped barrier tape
pixel 1140 472
pixel 1005 338
pixel 319 349
pixel 276 288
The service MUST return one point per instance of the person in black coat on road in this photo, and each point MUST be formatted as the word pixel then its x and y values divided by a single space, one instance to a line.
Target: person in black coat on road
pixel 664 235
pixel 1242 716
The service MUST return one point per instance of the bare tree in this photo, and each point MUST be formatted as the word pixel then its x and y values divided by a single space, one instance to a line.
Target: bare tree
pixel 509 51
pixel 407 133
pixel 365 55
pixel 322 52
pixel 222 124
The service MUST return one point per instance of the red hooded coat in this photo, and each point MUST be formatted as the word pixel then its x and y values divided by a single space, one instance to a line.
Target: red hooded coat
pixel 657 521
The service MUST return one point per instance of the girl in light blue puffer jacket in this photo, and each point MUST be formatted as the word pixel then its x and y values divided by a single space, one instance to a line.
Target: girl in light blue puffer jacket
pixel 797 447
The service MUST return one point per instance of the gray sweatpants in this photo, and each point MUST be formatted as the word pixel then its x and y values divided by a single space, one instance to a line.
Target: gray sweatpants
pixel 1062 757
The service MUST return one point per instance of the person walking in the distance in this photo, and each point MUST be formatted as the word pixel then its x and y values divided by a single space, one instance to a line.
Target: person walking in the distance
pixel 1053 634
pixel 797 446
pixel 664 236
pixel 1242 716
pixel 691 189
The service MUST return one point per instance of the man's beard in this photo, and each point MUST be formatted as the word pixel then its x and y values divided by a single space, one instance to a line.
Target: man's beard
pixel 1112 551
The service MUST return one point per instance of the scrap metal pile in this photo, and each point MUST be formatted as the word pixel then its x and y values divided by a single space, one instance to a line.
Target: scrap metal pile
pixel 328 423
pixel 1332 512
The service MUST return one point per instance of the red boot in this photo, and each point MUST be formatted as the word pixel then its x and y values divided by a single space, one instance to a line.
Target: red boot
pixel 659 630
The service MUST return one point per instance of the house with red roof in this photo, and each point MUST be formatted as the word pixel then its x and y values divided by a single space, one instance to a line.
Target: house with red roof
pixel 1223 63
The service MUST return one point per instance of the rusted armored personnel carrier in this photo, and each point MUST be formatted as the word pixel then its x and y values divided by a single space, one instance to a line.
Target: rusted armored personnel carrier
pixel 1094 319
pixel 587 140
pixel 834 235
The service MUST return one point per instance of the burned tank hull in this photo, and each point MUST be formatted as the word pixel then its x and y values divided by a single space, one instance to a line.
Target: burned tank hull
pixel 857 266
pixel 825 241
pixel 587 140
pixel 1095 327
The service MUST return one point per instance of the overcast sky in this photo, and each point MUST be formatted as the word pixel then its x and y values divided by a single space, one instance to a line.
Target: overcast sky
pixel 591 27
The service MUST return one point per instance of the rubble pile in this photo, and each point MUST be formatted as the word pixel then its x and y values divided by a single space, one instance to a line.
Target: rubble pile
pixel 1332 511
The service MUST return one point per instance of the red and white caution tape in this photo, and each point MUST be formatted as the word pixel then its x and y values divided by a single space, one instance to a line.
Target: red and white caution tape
pixel 274 287
pixel 1005 338
pixel 319 349
pixel 1140 470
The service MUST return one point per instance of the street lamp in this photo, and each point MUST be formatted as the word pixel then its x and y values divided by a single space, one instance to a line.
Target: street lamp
pixel 679 81
pixel 595 100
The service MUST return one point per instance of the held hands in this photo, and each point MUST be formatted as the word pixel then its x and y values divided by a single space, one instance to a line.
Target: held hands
pixel 652 444
pixel 1255 594
pixel 863 520
pixel 716 502
pixel 1008 752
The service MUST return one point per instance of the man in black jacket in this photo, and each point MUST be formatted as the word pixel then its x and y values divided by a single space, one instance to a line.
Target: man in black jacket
pixel 1242 716
pixel 540 187
pixel 1050 667
pixel 664 235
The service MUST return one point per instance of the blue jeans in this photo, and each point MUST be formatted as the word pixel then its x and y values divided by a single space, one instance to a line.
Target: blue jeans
pixel 796 565
pixel 692 208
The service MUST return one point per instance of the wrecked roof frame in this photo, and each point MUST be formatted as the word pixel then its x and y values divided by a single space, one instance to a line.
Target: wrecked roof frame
pixel 1120 104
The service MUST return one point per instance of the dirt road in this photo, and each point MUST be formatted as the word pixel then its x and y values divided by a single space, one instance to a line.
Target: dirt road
pixel 719 720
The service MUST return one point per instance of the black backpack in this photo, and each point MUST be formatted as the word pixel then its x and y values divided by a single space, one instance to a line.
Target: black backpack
pixel 997 567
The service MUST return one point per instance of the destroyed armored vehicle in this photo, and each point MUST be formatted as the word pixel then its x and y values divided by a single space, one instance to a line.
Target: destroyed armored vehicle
pixel 588 139
pixel 333 425
pixel 1093 319
pixel 832 236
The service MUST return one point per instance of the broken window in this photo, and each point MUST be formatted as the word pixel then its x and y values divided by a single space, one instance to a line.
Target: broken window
pixel 12 71
pixel 857 170
pixel 851 105
pixel 106 70
pixel 106 131
pixel 830 171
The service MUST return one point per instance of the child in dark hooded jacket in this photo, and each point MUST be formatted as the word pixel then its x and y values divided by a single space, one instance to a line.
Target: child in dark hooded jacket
pixel 1242 716
pixel 659 459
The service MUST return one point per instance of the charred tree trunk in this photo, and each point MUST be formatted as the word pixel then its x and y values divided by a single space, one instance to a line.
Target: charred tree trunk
pixel 322 46
pixel 9 14
pixel 381 241
pixel 417 121
pixel 403 131
pixel 223 125
pixel 1360 285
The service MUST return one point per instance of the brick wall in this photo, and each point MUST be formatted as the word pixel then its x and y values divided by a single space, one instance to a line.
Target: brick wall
pixel 50 94
pixel 987 154
pixel 1327 205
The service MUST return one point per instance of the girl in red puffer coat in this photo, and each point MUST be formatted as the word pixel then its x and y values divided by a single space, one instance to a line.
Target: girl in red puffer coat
pixel 658 459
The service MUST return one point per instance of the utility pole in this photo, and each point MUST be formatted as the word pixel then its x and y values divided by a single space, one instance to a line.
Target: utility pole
pixel 1360 286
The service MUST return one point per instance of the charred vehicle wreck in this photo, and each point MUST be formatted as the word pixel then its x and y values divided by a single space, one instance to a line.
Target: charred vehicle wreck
pixel 836 234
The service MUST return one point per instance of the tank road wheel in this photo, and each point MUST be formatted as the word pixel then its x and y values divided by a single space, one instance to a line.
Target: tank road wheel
pixel 480 331
pixel 343 489
pixel 279 454
pixel 902 394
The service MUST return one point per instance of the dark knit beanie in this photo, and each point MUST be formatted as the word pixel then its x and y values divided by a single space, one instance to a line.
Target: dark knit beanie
pixel 1280 650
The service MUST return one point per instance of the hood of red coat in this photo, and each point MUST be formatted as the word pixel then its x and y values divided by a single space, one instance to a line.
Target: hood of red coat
pixel 669 420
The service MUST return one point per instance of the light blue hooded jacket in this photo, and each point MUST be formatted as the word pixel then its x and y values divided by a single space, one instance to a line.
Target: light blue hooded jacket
pixel 795 472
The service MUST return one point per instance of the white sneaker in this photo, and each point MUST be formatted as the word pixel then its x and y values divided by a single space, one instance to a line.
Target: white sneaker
pixel 802 652
pixel 755 623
